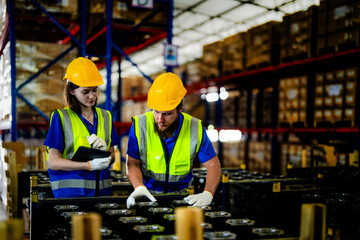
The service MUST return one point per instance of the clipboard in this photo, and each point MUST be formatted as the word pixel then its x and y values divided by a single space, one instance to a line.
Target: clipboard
pixel 84 154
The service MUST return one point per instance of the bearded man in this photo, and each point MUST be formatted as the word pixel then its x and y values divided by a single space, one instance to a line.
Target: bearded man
pixel 165 142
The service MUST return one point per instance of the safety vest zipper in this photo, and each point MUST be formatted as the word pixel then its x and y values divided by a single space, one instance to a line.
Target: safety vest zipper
pixel 167 159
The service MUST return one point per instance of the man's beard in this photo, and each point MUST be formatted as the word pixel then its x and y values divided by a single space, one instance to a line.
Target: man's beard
pixel 169 131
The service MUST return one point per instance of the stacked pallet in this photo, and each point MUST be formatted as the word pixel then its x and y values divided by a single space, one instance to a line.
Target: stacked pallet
pixel 211 60
pixel 124 11
pixel 134 86
pixel 259 156
pixel 233 53
pixel 263 45
pixel 335 94
pixel 292 101
pixel 46 91
pixel 294 155
pixel 298 35
pixel 234 154
pixel 339 21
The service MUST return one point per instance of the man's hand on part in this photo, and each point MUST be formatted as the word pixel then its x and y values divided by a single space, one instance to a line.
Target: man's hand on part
pixel 201 199
pixel 99 163
pixel 97 142
pixel 139 191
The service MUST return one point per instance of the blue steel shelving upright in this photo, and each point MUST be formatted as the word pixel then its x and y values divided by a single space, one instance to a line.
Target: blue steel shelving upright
pixel 15 90
pixel 81 44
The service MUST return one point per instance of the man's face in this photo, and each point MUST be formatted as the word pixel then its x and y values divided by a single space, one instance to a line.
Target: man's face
pixel 163 119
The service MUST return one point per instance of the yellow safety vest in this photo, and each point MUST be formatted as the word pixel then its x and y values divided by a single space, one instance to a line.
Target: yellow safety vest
pixel 80 182
pixel 152 156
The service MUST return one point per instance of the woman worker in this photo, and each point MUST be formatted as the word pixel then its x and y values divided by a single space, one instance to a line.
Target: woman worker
pixel 80 123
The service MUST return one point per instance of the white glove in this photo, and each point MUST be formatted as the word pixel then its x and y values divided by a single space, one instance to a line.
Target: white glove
pixel 99 163
pixel 139 191
pixel 201 199
pixel 97 142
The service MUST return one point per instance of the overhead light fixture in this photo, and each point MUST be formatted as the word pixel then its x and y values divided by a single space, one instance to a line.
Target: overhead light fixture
pixel 230 135
pixel 94 59
pixel 223 93
pixel 212 97
pixel 212 133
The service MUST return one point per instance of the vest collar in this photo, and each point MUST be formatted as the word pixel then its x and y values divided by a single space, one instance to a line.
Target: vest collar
pixel 173 137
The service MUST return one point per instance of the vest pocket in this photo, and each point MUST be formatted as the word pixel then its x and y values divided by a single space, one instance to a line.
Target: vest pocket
pixel 181 169
pixel 156 162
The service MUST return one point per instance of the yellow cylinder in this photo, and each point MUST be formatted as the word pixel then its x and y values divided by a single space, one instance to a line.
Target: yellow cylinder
pixel 313 222
pixel 34 197
pixel 3 230
pixel 33 181
pixel 117 163
pixel 188 223
pixel 304 158
pixel 225 178
pixel 15 229
pixel 190 190
pixel 86 227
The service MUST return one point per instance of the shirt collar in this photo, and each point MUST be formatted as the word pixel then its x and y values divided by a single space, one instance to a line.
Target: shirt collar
pixel 181 118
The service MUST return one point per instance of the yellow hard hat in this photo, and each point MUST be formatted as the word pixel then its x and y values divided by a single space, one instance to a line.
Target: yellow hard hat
pixel 84 73
pixel 166 92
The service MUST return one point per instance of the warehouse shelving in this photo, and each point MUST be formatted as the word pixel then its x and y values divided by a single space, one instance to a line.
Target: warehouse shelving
pixel 40 15
pixel 292 130
pixel 223 80
pixel 243 80
pixel 269 77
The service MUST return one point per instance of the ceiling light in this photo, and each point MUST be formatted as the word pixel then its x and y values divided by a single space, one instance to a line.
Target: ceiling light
pixel 212 97
pixel 230 135
pixel 213 135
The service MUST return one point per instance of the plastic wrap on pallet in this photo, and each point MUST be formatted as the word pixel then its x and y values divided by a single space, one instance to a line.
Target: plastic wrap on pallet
pixel 3 179
pixel 2 15
pixel 5 89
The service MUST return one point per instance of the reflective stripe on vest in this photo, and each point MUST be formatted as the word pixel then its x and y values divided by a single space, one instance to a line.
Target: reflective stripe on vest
pixel 80 183
pixel 153 162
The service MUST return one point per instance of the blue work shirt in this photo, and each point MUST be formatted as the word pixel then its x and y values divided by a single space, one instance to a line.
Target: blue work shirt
pixel 55 135
pixel 206 152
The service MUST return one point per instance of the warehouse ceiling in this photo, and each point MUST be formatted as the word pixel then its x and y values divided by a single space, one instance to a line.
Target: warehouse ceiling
pixel 196 23
pixel 199 22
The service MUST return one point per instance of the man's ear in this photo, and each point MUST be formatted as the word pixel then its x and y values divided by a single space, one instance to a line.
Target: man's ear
pixel 181 107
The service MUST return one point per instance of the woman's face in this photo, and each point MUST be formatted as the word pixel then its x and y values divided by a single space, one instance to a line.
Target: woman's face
pixel 87 96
